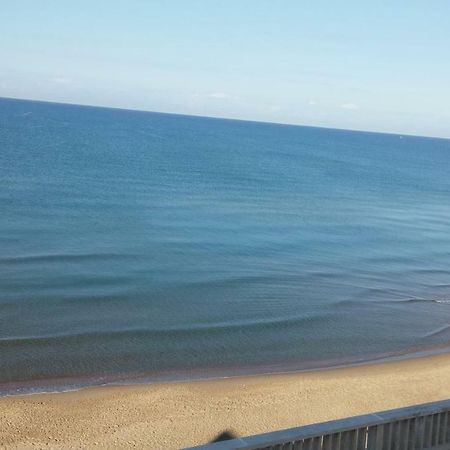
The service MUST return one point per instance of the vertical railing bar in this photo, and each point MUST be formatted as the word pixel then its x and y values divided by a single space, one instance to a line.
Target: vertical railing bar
pixel 407 427
pixel 397 431
pixel 435 434
pixel 437 430
pixel 319 443
pixel 428 433
pixel 354 439
pixel 336 441
pixel 413 434
pixel 375 437
pixel 362 438
pixel 327 441
pixel 371 437
pixel 447 427
pixel 434 429
pixel 391 435
pixel 316 443
pixel 380 436
pixel 345 444
pixel 443 427
pixel 391 431
pixel 387 436
pixel 419 432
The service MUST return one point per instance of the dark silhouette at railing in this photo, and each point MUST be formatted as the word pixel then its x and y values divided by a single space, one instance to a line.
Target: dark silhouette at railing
pixel 225 436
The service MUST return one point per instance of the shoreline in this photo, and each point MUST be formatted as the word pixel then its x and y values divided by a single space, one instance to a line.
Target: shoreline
pixel 180 414
pixel 74 384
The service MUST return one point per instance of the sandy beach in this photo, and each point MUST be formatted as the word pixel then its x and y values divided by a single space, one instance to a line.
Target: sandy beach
pixel 184 414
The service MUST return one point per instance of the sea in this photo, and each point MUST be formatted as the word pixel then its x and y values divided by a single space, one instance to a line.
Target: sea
pixel 148 247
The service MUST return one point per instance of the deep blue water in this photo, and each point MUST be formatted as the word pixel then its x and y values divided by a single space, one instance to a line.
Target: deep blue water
pixel 150 244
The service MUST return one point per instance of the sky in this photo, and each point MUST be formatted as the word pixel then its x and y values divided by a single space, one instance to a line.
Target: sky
pixel 378 66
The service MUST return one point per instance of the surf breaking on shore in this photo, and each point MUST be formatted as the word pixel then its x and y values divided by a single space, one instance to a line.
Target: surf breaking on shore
pixel 70 384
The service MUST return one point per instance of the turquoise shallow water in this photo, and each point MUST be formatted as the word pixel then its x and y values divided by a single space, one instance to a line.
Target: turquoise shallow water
pixel 161 246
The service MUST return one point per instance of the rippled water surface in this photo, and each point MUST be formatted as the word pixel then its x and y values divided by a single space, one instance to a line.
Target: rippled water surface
pixel 141 243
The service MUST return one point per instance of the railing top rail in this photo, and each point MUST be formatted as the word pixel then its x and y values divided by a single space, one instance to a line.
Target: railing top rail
pixel 325 428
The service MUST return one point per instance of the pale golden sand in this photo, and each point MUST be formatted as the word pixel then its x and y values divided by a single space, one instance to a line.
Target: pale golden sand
pixel 183 414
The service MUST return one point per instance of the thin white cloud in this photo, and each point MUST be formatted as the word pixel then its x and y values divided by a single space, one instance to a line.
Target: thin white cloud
pixel 218 95
pixel 350 106
pixel 312 102
pixel 61 80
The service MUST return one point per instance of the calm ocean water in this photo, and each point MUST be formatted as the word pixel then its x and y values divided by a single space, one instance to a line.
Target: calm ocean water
pixel 161 246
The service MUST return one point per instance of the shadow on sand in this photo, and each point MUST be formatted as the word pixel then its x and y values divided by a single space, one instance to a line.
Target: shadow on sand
pixel 224 436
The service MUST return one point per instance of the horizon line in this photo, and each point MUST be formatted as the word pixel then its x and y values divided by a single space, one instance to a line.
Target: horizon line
pixel 290 124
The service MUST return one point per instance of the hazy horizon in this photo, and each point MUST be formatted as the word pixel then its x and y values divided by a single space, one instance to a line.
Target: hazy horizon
pixel 224 118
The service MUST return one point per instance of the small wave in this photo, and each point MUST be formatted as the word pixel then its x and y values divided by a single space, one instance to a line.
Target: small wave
pixel 419 300
pixel 393 301
pixel 439 331
pixel 432 271
pixel 63 257
pixel 410 300
pixel 267 279
pixel 174 330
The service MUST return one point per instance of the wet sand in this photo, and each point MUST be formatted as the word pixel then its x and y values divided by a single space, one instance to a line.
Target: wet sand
pixel 166 416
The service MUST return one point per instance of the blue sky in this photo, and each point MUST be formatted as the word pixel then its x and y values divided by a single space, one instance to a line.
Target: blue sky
pixel 381 66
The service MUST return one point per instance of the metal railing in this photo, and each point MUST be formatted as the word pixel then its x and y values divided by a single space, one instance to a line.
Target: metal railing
pixel 421 427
